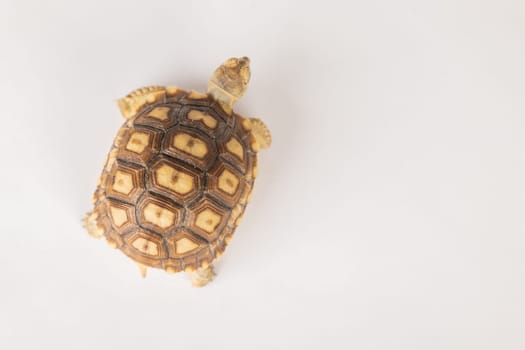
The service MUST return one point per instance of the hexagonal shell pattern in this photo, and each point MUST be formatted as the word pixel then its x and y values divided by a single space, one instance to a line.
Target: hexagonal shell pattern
pixel 243 127
pixel 122 215
pixel 158 214
pixel 234 151
pixel 160 116
pixel 145 248
pixel 175 180
pixel 225 183
pixel 190 146
pixel 139 145
pixel 196 98
pixel 186 225
pixel 125 182
pixel 204 119
pixel 183 243
pixel 207 218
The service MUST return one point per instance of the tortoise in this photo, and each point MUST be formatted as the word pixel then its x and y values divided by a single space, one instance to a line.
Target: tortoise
pixel 179 174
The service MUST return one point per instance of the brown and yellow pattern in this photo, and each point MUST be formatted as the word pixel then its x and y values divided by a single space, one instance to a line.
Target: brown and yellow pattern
pixel 176 182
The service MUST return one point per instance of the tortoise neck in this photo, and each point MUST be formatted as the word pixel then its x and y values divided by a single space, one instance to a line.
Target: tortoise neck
pixel 222 96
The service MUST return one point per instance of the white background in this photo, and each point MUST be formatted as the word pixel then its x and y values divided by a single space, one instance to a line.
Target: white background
pixel 388 213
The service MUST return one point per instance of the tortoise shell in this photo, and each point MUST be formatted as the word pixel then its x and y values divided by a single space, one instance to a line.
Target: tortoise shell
pixel 176 181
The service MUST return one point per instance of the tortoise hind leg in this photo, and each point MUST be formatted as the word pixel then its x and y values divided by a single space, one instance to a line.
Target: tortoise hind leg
pixel 202 276
pixel 143 270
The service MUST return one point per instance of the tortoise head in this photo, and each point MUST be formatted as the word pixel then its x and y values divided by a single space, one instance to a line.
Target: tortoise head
pixel 230 81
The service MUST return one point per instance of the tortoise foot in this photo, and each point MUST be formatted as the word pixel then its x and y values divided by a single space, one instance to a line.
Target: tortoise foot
pixel 202 276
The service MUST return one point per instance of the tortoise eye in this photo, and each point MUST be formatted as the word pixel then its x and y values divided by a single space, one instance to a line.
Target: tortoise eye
pixel 244 62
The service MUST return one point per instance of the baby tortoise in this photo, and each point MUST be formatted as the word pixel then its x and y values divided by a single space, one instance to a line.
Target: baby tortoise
pixel 179 174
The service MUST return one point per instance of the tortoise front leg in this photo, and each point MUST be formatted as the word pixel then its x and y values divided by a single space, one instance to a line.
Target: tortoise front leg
pixel 261 133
